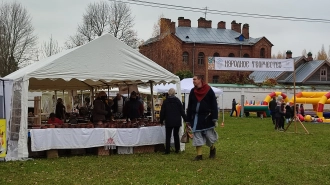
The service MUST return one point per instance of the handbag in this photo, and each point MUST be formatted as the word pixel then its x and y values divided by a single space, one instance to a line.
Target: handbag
pixel 185 137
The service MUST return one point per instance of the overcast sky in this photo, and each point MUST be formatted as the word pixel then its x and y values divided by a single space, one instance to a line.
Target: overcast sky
pixel 60 18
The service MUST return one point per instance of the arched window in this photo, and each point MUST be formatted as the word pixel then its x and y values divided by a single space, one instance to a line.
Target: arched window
pixel 246 55
pixel 201 58
pixel 231 55
pixel 185 57
pixel 216 54
pixel 262 53
pixel 215 79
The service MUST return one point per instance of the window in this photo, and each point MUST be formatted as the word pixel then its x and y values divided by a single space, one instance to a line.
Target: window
pixel 201 58
pixel 262 53
pixel 215 79
pixel 216 55
pixel 246 55
pixel 323 74
pixel 185 57
pixel 231 55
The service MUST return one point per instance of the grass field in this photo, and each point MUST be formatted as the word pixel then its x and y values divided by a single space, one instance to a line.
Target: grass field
pixel 249 151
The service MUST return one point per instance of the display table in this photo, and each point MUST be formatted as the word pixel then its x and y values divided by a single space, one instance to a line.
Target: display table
pixel 75 138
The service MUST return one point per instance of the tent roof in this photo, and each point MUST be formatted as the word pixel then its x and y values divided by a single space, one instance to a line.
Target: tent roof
pixel 186 86
pixel 105 61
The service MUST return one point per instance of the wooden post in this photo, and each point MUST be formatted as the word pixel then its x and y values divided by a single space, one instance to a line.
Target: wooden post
pixel 37 110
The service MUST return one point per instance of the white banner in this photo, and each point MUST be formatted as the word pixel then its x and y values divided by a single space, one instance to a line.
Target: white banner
pixel 250 64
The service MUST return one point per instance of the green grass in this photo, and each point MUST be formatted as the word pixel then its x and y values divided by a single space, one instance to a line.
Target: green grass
pixel 249 151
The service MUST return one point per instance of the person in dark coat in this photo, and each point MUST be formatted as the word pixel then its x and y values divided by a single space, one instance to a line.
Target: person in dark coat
pixel 279 114
pixel 202 115
pixel 99 110
pixel 60 109
pixel 233 108
pixel 287 113
pixel 272 105
pixel 171 112
pixel 133 108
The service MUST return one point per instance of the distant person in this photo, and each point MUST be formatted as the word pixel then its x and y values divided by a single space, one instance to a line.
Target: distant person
pixel 133 108
pixel 202 115
pixel 118 106
pixel 54 120
pixel 279 114
pixel 272 105
pixel 99 110
pixel 297 109
pixel 288 112
pixel 233 108
pixel 60 109
pixel 171 112
pixel 302 110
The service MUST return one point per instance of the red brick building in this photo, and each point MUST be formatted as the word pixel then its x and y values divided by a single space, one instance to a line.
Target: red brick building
pixel 188 48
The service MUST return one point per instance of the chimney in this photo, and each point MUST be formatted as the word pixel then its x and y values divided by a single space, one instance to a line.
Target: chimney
pixel 236 26
pixel 222 25
pixel 309 56
pixel 288 54
pixel 202 23
pixel 184 22
pixel 245 31
pixel 166 26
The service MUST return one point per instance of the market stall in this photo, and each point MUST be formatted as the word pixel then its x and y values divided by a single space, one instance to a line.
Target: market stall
pixel 102 63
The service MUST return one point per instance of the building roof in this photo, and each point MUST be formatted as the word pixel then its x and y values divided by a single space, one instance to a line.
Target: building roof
pixel 208 36
pixel 261 76
pixel 212 36
pixel 304 71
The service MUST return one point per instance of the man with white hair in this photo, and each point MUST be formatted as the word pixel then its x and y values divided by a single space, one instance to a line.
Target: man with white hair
pixel 171 112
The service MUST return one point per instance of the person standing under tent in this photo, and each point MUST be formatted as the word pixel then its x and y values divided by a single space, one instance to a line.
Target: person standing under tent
pixel 60 109
pixel 133 108
pixel 272 105
pixel 171 112
pixel 118 105
pixel 99 110
pixel 202 116
pixel 233 108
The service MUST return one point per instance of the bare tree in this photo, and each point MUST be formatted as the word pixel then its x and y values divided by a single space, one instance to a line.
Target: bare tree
pixel 50 48
pixel 16 37
pixel 122 22
pixel 156 28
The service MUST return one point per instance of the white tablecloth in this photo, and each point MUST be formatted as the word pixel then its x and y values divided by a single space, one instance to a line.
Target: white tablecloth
pixel 73 138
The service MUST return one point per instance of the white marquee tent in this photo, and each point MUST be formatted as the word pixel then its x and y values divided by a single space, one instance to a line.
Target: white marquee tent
pixel 186 86
pixel 103 62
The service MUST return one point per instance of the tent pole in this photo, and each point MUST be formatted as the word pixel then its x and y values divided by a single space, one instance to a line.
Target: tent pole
pixel 4 99
pixel 152 102
pixel 223 110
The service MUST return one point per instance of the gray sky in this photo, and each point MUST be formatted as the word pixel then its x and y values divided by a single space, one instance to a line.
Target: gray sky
pixel 60 18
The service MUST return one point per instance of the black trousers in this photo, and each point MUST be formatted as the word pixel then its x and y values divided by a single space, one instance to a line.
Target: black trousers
pixel 176 139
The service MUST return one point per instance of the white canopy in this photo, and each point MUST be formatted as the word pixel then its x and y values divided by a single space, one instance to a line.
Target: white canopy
pixel 105 61
pixel 186 86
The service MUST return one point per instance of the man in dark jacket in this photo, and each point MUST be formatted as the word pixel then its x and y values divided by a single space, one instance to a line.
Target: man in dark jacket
pixel 233 108
pixel 171 112
pixel 272 106
pixel 133 108
pixel 202 115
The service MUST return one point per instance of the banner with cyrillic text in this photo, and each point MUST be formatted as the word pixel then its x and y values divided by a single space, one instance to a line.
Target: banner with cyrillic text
pixel 251 64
